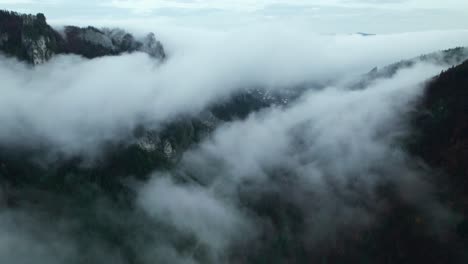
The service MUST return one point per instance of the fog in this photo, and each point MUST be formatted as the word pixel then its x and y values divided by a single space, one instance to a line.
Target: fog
pixel 75 104
pixel 325 156
pixel 320 161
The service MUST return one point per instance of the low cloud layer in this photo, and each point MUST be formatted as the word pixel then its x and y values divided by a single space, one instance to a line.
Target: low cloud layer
pixel 326 156
pixel 300 178
pixel 75 105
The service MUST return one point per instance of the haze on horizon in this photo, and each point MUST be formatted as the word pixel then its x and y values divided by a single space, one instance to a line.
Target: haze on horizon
pixel 330 16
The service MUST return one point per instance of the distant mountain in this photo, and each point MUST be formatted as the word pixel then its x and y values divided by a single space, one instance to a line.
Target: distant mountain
pixel 365 34
pixel 30 38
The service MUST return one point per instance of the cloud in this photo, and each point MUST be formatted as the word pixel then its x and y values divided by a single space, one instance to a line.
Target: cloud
pixel 249 5
pixel 76 105
pixel 325 157
pixel 303 176
pixel 194 210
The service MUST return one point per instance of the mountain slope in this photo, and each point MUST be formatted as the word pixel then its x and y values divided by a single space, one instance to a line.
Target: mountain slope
pixel 28 37
pixel 69 190
pixel 448 57
pixel 440 129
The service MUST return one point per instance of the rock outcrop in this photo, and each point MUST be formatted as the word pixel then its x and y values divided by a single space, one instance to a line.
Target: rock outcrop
pixel 91 42
pixel 29 38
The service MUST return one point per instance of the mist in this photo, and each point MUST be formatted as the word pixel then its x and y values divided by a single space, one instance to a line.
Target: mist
pixel 74 105
pixel 325 156
pixel 314 172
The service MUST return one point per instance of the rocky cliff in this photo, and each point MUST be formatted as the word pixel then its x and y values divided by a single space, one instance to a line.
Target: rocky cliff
pixel 30 38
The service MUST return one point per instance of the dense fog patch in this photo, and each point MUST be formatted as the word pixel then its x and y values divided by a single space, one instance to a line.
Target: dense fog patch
pixel 327 157
pixel 76 105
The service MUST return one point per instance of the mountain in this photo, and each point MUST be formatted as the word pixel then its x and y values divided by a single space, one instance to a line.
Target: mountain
pixel 91 42
pixel 448 57
pixel 363 34
pixel 440 130
pixel 30 38
pixel 68 190
pixel 98 198
pixel 439 140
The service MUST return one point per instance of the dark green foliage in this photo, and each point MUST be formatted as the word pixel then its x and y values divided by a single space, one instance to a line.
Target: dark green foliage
pixel 440 137
pixel 11 24
pixel 403 234
pixel 441 123
pixel 76 44
pixel 240 105
pixel 20 32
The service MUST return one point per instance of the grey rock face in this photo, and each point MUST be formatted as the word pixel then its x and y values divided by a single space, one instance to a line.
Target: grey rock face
pixel 30 38
pixel 37 49
pixel 168 149
pixel 153 47
pixel 97 37
pixel 149 142
pixel 91 42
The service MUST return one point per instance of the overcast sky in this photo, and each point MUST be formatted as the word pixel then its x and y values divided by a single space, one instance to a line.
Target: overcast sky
pixel 325 16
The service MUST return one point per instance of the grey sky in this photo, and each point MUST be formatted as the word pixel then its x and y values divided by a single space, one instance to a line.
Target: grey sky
pixel 328 16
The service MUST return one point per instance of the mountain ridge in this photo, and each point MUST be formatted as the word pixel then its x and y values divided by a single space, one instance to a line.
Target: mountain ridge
pixel 31 39
pixel 71 189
